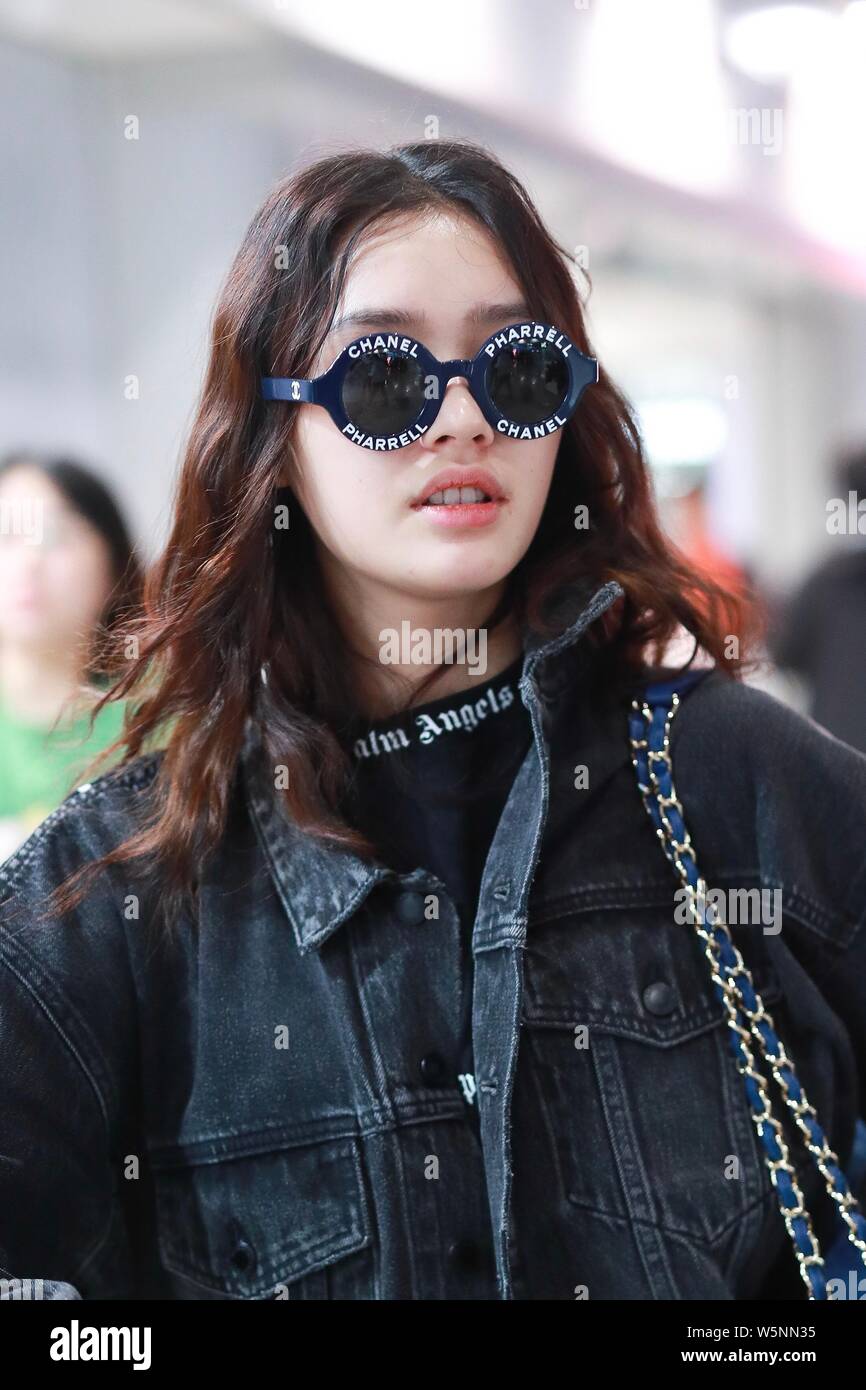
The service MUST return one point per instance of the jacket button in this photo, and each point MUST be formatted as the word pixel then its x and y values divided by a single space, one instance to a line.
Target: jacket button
pixel 409 907
pixel 659 998
pixel 433 1068
pixel 243 1257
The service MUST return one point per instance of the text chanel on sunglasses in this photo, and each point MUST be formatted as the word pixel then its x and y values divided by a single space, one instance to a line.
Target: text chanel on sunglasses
pixel 385 390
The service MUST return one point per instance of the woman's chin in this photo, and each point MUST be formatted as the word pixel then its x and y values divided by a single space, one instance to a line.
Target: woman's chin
pixel 455 579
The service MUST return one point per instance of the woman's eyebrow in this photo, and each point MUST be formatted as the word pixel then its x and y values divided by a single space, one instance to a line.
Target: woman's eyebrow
pixel 405 319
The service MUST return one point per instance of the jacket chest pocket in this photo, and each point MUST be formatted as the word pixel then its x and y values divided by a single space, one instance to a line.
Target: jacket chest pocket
pixel 290 1223
pixel 628 1049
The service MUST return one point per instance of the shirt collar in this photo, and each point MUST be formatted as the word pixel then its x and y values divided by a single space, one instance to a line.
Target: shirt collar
pixel 321 886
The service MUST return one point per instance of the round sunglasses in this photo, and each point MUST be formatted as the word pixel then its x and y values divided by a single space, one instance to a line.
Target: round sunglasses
pixel 384 390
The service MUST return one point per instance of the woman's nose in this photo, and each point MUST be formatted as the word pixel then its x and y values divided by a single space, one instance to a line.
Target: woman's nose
pixel 460 418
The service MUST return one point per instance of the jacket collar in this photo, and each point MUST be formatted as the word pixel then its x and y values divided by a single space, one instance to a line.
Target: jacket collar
pixel 320 886
pixel 574 610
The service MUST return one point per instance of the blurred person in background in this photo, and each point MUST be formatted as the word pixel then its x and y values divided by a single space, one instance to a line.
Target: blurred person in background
pixel 820 633
pixel 686 516
pixel 66 567
pixel 694 536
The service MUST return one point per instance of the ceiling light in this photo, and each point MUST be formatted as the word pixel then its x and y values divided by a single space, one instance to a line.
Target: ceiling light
pixel 769 44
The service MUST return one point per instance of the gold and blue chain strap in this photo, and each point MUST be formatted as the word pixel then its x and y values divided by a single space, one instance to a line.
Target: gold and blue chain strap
pixel 748 1021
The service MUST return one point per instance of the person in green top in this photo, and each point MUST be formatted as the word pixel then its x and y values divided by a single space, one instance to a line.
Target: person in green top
pixel 67 568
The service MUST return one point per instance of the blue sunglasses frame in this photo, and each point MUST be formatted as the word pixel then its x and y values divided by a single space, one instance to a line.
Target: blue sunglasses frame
pixel 327 390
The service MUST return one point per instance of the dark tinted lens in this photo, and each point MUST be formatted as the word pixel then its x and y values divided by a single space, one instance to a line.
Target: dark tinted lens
pixel 527 382
pixel 383 392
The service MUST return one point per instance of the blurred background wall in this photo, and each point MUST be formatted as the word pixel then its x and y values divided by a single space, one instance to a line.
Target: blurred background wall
pixel 705 156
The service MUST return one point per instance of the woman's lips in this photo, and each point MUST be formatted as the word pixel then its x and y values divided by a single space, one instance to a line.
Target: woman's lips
pixel 461 514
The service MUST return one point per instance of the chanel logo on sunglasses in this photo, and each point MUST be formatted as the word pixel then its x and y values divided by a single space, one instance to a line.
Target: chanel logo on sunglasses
pixel 389 343
pixel 385 390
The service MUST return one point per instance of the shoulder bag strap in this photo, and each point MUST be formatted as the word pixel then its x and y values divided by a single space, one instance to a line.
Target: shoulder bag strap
pixel 749 1022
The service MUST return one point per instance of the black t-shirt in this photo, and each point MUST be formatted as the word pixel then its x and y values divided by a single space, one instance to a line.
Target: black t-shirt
pixel 429 788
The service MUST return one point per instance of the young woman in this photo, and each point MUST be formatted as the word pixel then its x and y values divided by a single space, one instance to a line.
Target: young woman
pixel 374 982
pixel 66 569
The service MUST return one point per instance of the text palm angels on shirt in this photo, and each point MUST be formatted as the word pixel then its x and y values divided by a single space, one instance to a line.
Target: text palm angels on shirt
pixel 427 728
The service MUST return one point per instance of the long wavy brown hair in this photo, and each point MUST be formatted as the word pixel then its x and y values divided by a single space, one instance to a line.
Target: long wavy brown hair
pixel 233 598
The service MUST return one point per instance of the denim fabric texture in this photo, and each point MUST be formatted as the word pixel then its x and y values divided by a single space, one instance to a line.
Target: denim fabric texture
pixel 270 1108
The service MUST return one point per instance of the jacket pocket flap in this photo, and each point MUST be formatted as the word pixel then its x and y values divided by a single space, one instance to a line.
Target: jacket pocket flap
pixel 242 1227
pixel 632 975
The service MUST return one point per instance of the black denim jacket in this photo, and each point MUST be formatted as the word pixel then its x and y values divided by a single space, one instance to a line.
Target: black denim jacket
pixel 271 1109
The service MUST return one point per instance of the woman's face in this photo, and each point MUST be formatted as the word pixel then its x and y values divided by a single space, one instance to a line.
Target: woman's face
pixel 55 568
pixel 452 289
